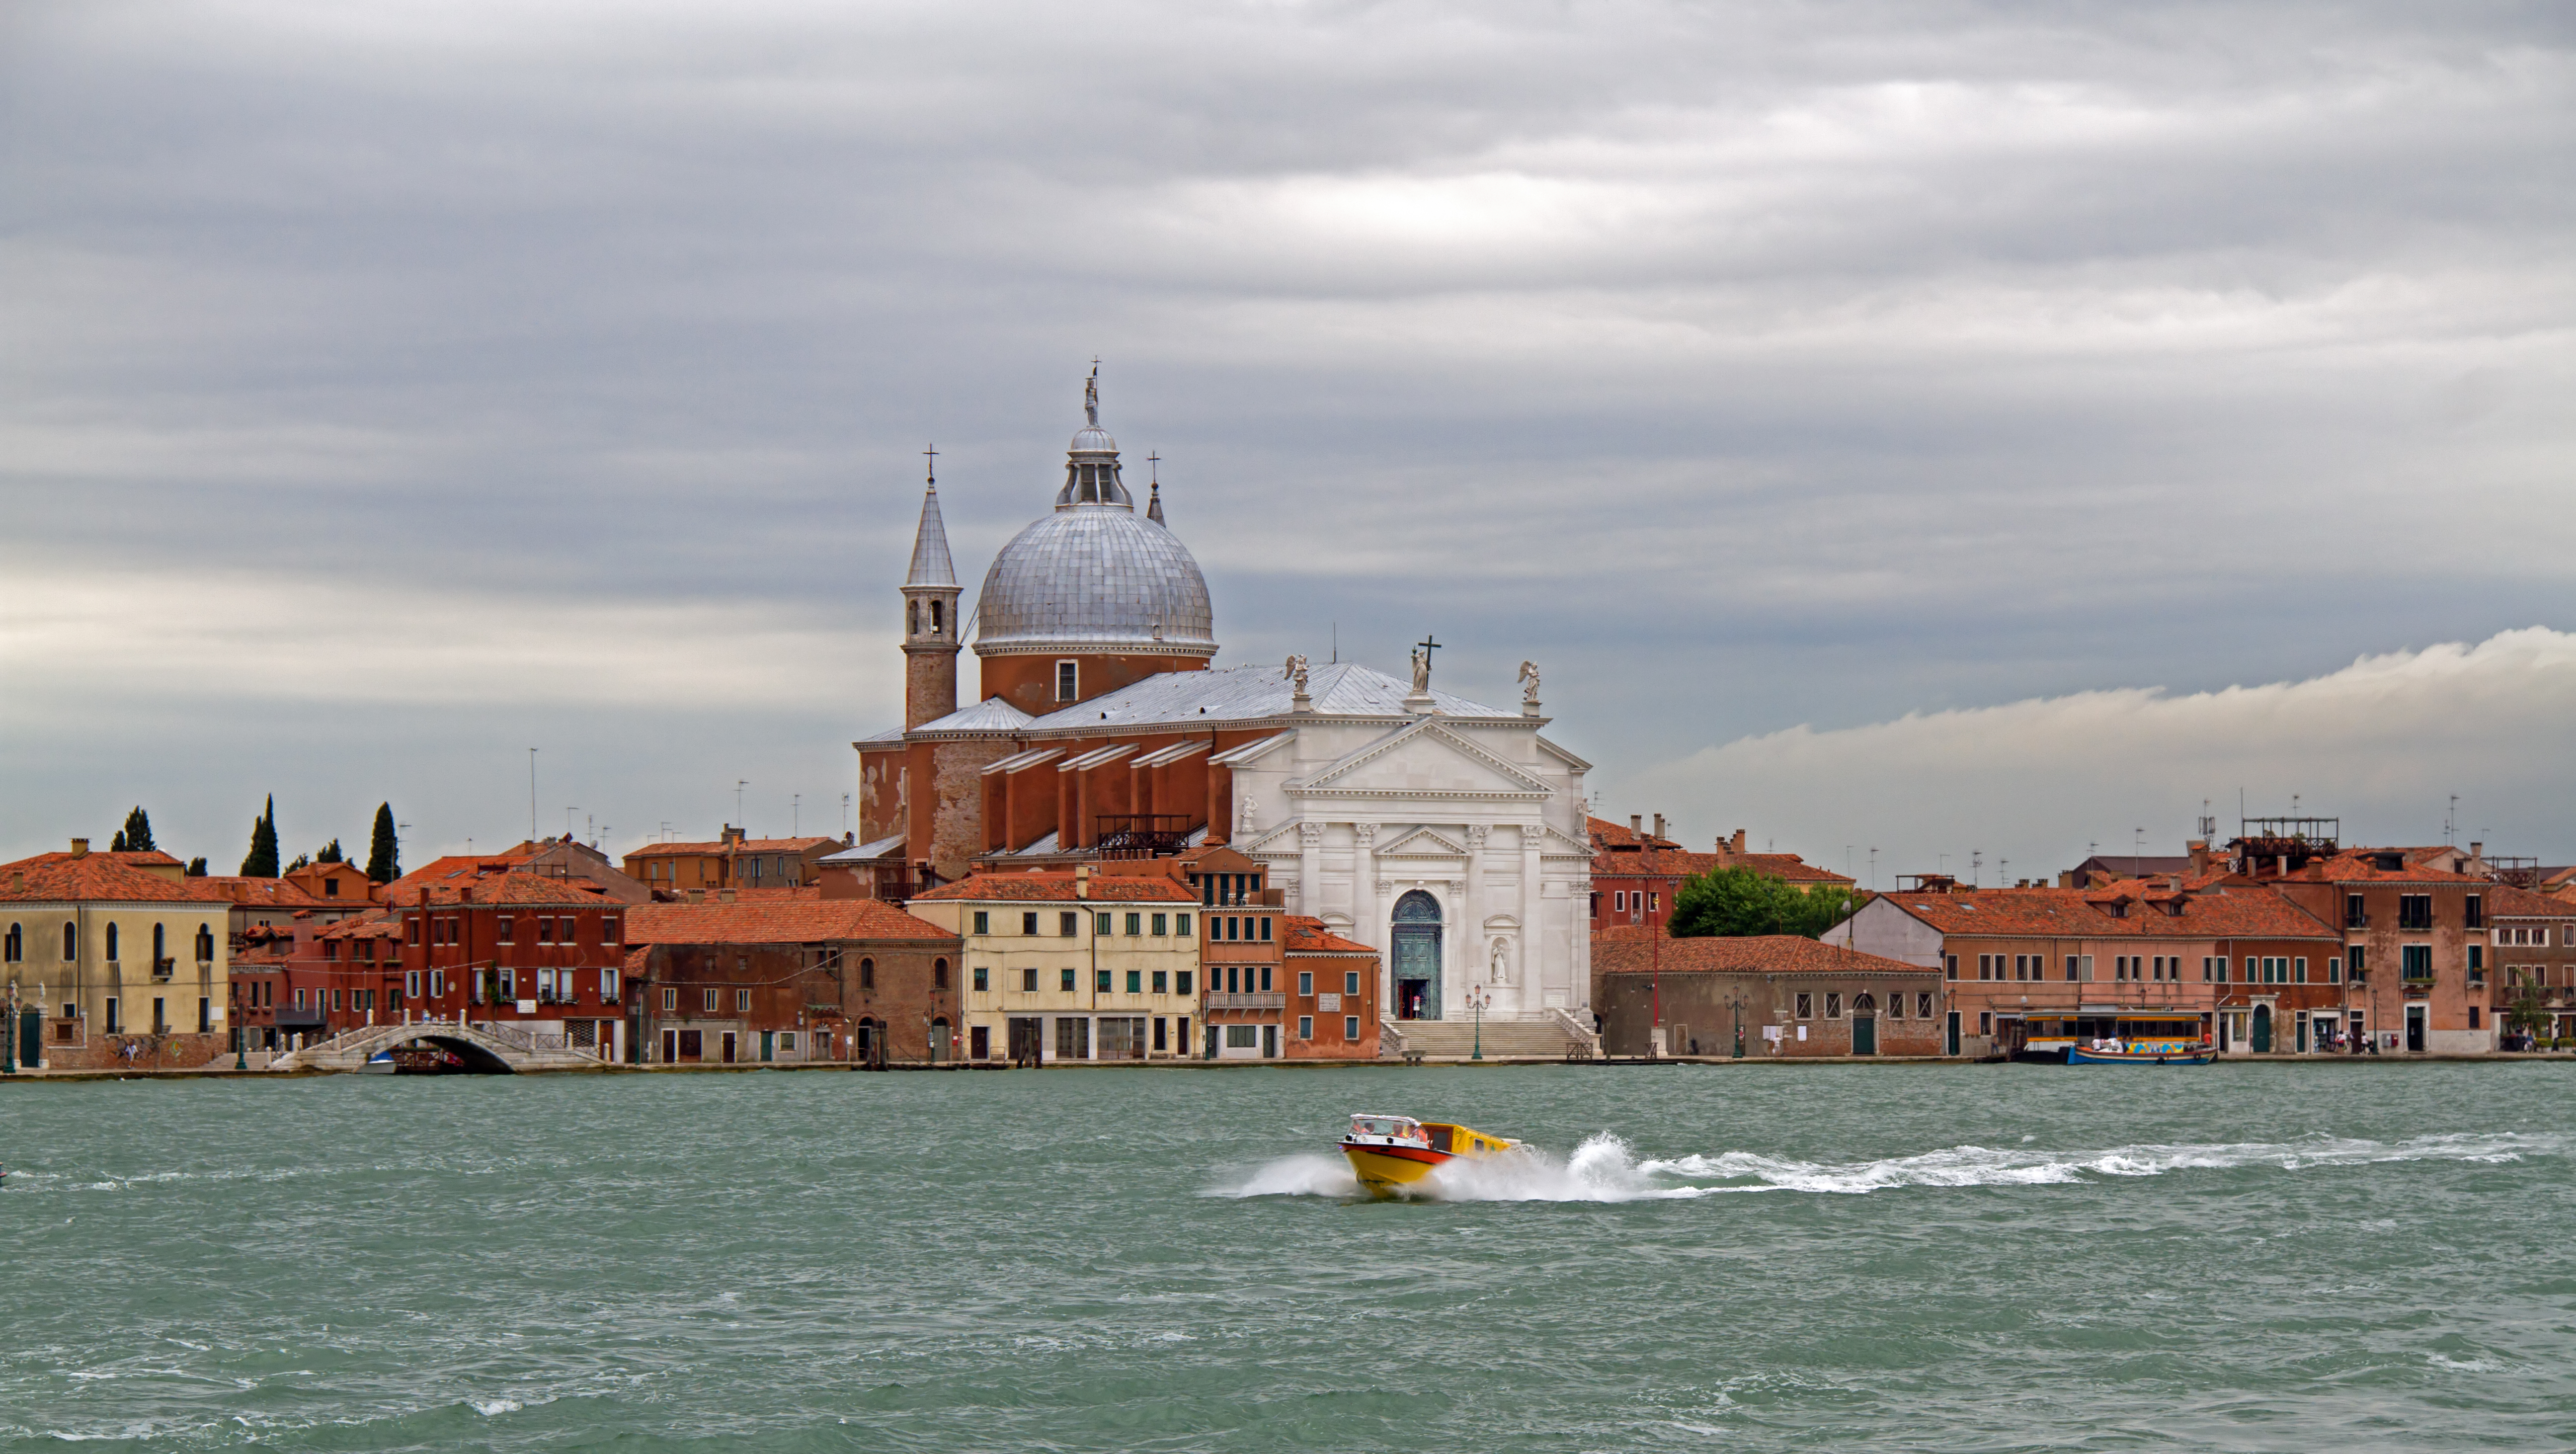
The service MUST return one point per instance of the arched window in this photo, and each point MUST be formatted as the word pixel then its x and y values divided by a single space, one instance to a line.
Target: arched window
pixel 10 948
pixel 205 944
pixel 939 975
pixel 160 946
pixel 71 942
pixel 913 616
pixel 867 974
pixel 935 627
pixel 1864 1005
pixel 111 941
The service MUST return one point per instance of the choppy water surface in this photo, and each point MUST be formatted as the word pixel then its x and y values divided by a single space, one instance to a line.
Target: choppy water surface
pixel 2241 1257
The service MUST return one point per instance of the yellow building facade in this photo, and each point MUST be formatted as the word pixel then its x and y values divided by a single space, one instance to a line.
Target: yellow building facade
pixel 1073 967
pixel 129 967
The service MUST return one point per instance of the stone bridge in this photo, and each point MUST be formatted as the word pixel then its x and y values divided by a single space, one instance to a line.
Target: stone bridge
pixel 493 1048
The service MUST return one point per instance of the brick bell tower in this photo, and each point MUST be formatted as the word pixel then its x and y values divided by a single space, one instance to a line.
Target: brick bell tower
pixel 931 634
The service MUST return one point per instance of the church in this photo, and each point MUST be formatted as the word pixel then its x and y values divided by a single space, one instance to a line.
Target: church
pixel 1447 834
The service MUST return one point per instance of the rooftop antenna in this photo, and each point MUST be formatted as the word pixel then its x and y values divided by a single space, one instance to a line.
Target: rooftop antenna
pixel 532 796
pixel 569 810
pixel 845 812
pixel 1976 865
pixel 2448 814
pixel 738 786
pixel 795 814
pixel 1337 643
pixel 2138 842
pixel 2003 873
pixel 1873 868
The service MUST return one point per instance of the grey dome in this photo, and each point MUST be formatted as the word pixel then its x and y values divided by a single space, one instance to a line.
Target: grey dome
pixel 1095 577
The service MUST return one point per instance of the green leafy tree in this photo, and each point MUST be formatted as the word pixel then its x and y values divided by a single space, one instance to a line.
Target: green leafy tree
pixel 301 860
pixel 137 837
pixel 261 862
pixel 329 853
pixel 383 857
pixel 1735 902
pixel 197 867
pixel 117 843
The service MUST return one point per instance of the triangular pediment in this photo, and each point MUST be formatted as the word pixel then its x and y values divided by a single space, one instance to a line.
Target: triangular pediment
pixel 1423 759
pixel 1553 844
pixel 1423 843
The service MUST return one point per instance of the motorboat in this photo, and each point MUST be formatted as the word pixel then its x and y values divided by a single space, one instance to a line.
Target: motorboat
pixel 1391 1154
pixel 2125 1053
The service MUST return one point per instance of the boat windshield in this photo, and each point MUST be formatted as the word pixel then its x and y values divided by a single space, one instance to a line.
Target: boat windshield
pixel 1402 1128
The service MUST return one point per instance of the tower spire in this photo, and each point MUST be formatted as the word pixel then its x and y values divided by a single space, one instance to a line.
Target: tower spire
pixel 930 563
pixel 1154 492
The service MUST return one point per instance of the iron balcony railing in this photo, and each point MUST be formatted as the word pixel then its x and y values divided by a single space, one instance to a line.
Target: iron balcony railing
pixel 1140 835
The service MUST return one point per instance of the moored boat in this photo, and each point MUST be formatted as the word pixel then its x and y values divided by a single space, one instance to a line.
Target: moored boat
pixel 2196 1053
pixel 2113 1037
pixel 1393 1153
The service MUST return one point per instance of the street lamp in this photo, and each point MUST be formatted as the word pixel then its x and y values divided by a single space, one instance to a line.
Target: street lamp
pixel 1737 1005
pixel 1477 999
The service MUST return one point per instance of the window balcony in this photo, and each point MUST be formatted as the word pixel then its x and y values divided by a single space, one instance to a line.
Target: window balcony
pixel 1247 1000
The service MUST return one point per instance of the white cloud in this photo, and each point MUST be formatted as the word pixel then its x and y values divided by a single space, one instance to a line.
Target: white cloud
pixel 2381 743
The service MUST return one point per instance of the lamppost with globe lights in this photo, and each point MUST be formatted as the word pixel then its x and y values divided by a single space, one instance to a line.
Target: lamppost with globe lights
pixel 1477 999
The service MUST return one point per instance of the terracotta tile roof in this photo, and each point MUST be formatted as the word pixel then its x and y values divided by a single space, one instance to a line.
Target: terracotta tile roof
pixel 749 895
pixel 1607 834
pixel 1787 866
pixel 458 866
pixel 1757 953
pixel 2504 901
pixel 2361 865
pixel 269 893
pixel 96 877
pixel 1309 936
pixel 504 889
pixel 148 858
pixel 2244 913
pixel 1057 887
pixel 373 924
pixel 748 845
pixel 775 921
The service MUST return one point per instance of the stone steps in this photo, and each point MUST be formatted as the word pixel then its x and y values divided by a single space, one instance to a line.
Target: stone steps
pixel 1456 1039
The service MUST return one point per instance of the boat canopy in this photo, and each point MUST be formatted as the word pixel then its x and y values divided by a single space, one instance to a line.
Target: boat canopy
pixel 1368 1124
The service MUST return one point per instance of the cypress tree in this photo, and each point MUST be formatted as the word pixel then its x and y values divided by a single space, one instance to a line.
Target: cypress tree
pixel 138 832
pixel 382 858
pixel 197 867
pixel 262 860
pixel 328 852
pixel 117 843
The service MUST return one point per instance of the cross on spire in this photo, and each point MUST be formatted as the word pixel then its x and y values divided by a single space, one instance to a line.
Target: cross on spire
pixel 933 455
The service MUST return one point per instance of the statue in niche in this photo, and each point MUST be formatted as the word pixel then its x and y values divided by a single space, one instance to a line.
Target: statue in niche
pixel 1529 682
pixel 1500 971
pixel 1296 674
pixel 1421 672
pixel 1249 807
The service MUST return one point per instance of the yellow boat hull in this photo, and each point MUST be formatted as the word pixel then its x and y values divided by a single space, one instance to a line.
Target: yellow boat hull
pixel 1389 1170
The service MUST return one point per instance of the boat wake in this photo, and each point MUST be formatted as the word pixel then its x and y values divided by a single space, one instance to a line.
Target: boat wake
pixel 1604 1169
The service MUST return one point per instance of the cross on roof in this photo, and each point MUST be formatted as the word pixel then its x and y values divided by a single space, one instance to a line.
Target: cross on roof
pixel 933 454
pixel 1428 643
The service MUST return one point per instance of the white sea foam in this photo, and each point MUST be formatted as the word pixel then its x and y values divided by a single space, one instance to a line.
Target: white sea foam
pixel 1604 1169
pixel 492 1407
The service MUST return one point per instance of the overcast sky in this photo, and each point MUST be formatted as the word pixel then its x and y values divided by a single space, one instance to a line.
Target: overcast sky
pixel 1934 427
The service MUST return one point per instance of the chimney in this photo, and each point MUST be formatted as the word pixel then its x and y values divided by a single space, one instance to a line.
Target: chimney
pixel 1636 830
pixel 1737 844
pixel 697 896
pixel 80 848
pixel 1082 880
pixel 2477 849
pixel 725 894
pixel 1659 825
pixel 2199 850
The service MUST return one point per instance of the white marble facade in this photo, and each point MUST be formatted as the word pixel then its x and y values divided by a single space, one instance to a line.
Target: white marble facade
pixel 1478 812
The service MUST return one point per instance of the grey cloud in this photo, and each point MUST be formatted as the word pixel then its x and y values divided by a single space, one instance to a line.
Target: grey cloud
pixel 1761 364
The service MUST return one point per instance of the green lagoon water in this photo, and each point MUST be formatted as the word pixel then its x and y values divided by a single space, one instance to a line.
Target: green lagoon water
pixel 2244 1257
